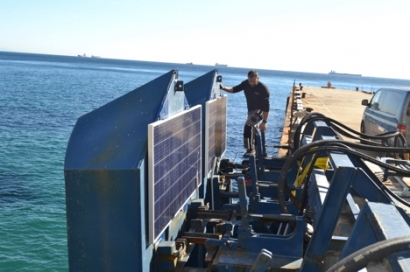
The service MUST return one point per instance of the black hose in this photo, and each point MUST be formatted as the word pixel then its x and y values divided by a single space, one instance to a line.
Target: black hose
pixel 332 145
pixel 304 195
pixel 305 119
pixel 379 250
pixel 336 126
pixel 395 135
pixel 384 135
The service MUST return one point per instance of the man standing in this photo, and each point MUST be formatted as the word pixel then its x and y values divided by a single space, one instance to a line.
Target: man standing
pixel 257 100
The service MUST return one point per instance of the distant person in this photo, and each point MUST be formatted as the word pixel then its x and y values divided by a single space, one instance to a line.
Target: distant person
pixel 300 86
pixel 257 100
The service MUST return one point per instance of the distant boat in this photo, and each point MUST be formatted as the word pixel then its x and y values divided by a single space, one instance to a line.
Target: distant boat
pixel 95 57
pixel 189 63
pixel 345 74
pixel 82 56
pixel 221 65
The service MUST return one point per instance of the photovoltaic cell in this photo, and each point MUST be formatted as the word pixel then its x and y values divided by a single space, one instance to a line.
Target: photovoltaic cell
pixel 215 131
pixel 174 163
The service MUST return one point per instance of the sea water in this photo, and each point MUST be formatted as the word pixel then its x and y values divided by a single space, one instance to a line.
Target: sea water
pixel 42 96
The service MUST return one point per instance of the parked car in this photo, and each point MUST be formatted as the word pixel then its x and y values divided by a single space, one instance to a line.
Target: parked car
pixel 388 110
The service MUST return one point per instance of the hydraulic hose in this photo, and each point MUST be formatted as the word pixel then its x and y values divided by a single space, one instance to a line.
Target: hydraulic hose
pixel 398 139
pixel 332 145
pixel 337 127
pixel 305 119
pixel 304 195
pixel 379 250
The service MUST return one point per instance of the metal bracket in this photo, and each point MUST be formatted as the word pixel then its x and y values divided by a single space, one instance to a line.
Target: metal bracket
pixel 179 86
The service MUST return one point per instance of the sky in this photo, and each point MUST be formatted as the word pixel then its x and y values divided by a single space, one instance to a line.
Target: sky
pixel 368 37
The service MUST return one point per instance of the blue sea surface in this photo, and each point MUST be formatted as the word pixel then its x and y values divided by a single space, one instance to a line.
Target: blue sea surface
pixel 42 96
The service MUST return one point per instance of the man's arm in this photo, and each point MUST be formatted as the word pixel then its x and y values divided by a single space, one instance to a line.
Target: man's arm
pixel 265 108
pixel 265 115
pixel 226 89
pixel 263 124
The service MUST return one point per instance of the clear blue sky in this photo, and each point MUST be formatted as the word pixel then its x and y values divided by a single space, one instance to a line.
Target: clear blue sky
pixel 370 37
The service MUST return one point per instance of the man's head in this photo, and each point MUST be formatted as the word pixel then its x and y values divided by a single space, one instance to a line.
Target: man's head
pixel 253 78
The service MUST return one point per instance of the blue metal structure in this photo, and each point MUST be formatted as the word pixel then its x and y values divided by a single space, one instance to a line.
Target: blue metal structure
pixel 310 211
pixel 106 179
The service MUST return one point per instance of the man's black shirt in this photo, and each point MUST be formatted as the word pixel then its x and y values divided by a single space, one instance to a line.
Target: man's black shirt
pixel 257 98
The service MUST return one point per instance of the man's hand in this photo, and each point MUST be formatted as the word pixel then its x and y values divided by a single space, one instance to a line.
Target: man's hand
pixel 221 86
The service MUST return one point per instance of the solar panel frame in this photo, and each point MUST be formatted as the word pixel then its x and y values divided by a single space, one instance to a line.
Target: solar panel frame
pixel 215 131
pixel 211 112
pixel 174 166
pixel 220 126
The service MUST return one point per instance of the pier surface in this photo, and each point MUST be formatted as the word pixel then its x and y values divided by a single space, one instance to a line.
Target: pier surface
pixel 341 105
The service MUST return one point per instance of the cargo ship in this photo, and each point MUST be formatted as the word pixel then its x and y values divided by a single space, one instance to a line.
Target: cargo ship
pixel 343 74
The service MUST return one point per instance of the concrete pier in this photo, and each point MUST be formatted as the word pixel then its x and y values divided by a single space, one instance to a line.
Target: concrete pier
pixel 341 105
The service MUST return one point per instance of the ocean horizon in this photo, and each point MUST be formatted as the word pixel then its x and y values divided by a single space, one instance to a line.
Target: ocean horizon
pixel 338 73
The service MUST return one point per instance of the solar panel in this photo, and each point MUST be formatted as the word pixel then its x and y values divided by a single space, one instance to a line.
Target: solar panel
pixel 215 131
pixel 174 166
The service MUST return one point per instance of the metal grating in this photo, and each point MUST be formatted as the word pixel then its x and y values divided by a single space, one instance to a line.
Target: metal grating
pixel 174 164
